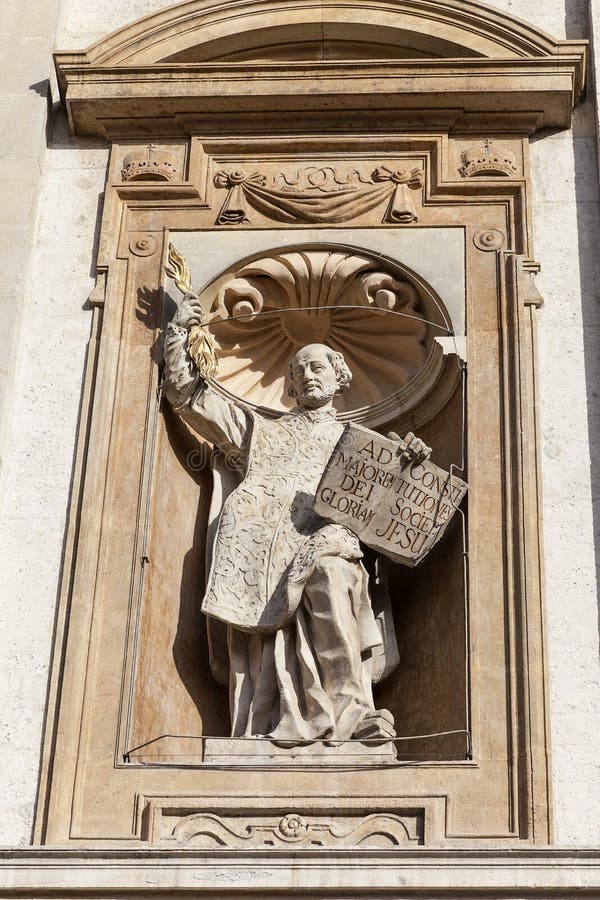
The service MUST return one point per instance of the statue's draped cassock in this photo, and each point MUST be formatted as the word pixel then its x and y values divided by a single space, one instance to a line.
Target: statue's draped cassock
pixel 290 586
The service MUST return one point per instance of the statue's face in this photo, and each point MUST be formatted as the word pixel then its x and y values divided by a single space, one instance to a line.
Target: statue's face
pixel 314 378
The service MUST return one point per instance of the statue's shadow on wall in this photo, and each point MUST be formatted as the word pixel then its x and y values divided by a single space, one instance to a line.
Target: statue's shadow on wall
pixel 190 644
pixel 175 691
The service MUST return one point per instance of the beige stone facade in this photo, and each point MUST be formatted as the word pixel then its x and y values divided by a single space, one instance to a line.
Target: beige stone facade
pixel 467 141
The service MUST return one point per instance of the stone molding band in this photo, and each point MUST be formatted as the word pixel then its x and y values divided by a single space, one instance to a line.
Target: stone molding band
pixel 532 873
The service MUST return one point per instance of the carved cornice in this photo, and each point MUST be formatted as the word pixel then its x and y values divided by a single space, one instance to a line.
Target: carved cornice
pixel 165 99
pixel 539 873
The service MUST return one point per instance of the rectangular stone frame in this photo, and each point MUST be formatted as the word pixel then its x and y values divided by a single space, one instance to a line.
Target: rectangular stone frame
pixel 88 794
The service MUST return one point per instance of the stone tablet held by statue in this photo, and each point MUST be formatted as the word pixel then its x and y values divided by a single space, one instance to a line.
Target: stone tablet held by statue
pixel 394 504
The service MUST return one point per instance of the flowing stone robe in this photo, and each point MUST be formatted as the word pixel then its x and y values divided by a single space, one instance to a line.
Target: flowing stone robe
pixel 290 587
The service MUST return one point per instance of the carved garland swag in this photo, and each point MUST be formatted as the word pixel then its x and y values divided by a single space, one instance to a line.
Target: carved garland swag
pixel 307 200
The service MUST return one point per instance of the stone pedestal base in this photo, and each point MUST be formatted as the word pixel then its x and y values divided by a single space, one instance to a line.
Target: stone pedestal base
pixel 260 751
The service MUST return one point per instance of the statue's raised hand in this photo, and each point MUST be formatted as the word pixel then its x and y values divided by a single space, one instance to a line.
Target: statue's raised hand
pixel 189 312
pixel 412 449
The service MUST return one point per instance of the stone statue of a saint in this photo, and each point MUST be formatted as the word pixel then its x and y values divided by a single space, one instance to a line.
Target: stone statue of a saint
pixel 292 589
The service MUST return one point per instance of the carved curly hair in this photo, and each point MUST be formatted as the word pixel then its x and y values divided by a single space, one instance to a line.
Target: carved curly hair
pixel 342 372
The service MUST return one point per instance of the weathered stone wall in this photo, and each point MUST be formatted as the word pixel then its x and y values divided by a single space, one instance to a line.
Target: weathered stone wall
pixel 34 442
pixel 567 229
pixel 48 224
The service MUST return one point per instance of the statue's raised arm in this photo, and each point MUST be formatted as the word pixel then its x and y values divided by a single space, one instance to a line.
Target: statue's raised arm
pixel 190 361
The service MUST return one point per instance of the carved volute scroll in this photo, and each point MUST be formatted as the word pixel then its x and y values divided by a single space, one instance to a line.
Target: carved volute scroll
pixel 208 831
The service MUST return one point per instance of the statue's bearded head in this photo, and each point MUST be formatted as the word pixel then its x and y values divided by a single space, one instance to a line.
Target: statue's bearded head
pixel 316 374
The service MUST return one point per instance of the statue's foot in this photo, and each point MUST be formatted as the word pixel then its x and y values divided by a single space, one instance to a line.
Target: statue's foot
pixel 376 726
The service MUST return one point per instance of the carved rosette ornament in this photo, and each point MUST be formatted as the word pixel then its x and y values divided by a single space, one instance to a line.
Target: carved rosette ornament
pixel 292 827
pixel 319 195
pixel 489 239
pixel 143 244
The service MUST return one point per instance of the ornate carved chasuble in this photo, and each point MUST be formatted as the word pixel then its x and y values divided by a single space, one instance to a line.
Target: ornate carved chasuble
pixel 268 537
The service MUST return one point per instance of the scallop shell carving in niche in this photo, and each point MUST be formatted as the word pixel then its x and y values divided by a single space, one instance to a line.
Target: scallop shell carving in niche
pixel 365 307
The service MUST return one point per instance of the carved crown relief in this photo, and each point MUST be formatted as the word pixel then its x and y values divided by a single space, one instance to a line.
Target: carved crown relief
pixel 369 309
pixel 151 164
pixel 319 195
pixel 489 158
